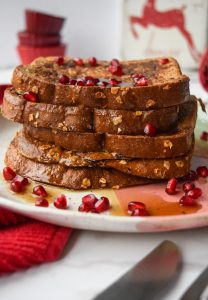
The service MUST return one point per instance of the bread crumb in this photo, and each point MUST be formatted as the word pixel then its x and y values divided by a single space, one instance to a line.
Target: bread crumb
pixel 85 183
pixel 179 163
pixel 166 164
pixel 168 144
pixel 114 90
pixel 138 113
pixel 117 120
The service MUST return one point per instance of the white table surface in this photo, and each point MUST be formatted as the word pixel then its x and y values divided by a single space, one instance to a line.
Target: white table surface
pixel 93 260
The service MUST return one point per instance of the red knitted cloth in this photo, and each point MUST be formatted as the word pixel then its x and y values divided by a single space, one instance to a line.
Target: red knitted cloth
pixel 25 242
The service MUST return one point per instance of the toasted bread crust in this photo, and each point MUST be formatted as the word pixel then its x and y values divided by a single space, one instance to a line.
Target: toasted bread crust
pixel 167 86
pixel 80 119
pixel 173 144
pixel 148 168
pixel 72 178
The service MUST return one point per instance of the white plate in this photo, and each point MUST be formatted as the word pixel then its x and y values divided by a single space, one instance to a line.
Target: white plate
pixel 108 221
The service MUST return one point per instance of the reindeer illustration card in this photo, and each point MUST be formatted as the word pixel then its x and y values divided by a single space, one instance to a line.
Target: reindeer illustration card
pixel 164 28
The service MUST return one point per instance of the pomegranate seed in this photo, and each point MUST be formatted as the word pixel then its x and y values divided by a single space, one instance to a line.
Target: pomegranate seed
pixel 202 171
pixel 23 180
pixel 171 186
pixel 89 200
pixel 93 61
pixel 102 84
pixel 141 82
pixel 80 83
pixel 63 79
pixel 187 201
pixel 138 76
pixel 163 61
pixel 41 202
pixel 116 70
pixel 84 208
pixel 8 173
pixel 133 205
pixel 60 60
pixel 92 82
pixel 17 186
pixel 60 202
pixel 188 186
pixel 101 205
pixel 113 81
pixel 40 191
pixel 139 212
pixel 72 81
pixel 79 62
pixel 30 96
pixel 150 130
pixel 194 193
pixel 204 136
pixel 115 62
pixel 192 176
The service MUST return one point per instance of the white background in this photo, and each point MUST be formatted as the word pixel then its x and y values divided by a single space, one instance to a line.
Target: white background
pixel 91 29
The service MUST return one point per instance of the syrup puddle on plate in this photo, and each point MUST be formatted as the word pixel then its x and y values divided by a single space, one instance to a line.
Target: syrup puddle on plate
pixel 156 205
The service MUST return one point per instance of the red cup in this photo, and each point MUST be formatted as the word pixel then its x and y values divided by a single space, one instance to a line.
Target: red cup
pixel 28 53
pixel 3 87
pixel 32 39
pixel 41 23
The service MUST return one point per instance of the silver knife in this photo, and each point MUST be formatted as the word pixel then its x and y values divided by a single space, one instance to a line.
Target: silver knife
pixel 195 291
pixel 150 278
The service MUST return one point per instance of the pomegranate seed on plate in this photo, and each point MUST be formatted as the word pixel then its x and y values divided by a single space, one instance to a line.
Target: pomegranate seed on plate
pixel 102 84
pixel 163 61
pixel 72 81
pixel 89 200
pixel 40 191
pixel 115 62
pixel 17 186
pixel 8 173
pixel 93 61
pixel 84 208
pixel 116 70
pixel 101 205
pixel 188 186
pixel 141 82
pixel 138 212
pixel 113 81
pixel 204 136
pixel 79 61
pixel 192 176
pixel 149 130
pixel 60 60
pixel 30 96
pixel 41 202
pixel 133 205
pixel 187 201
pixel 80 82
pixel 171 186
pixel 63 79
pixel 202 171
pixel 60 202
pixel 23 180
pixel 194 193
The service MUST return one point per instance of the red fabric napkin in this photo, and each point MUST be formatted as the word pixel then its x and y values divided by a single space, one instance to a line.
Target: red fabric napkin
pixel 25 242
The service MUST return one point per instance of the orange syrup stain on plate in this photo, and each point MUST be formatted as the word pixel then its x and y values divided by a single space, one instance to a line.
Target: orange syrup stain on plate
pixel 157 206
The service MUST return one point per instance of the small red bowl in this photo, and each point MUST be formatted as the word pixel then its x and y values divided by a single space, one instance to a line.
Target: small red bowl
pixel 28 53
pixel 3 87
pixel 32 39
pixel 41 23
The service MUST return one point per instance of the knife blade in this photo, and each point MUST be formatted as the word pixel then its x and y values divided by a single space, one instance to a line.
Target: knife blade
pixel 150 278
pixel 198 286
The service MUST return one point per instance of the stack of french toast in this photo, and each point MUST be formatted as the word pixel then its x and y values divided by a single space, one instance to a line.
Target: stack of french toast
pixel 100 124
